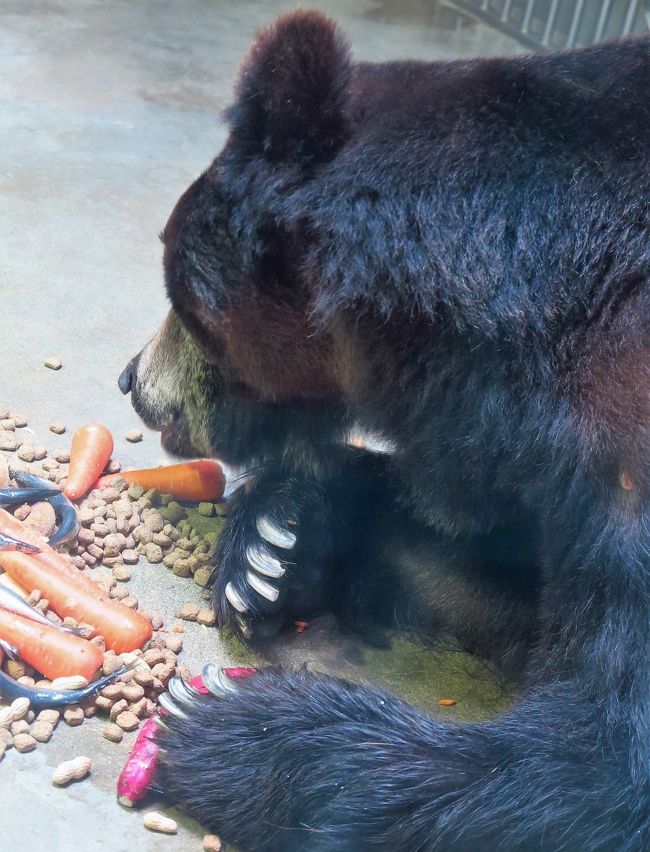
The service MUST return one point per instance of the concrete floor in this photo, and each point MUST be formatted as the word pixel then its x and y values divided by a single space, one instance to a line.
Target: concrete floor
pixel 107 112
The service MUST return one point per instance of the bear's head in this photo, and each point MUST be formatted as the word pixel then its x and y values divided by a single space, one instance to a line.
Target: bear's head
pixel 239 351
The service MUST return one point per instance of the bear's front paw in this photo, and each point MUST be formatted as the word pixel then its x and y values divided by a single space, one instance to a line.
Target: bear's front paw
pixel 271 556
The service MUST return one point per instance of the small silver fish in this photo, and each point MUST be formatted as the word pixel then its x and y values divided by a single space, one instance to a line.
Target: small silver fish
pixel 8 542
pixel 14 603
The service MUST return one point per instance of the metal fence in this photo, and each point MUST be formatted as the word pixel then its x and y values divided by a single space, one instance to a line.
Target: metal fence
pixel 552 24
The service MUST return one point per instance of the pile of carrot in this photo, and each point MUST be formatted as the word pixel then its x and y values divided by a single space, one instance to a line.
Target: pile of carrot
pixel 53 652
pixel 91 449
pixel 50 651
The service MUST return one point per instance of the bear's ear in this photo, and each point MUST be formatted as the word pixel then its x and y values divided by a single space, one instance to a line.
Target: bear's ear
pixel 292 91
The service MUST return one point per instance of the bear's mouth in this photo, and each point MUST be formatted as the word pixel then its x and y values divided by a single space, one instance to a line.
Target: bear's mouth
pixel 175 437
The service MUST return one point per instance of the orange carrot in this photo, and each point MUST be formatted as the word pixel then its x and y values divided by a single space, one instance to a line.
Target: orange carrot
pixel 194 481
pixel 48 556
pixel 52 652
pixel 91 449
pixel 122 628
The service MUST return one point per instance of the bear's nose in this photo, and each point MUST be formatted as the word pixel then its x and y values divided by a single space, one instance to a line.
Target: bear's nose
pixel 125 381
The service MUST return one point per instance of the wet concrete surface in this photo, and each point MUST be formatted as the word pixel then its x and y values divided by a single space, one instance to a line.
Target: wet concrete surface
pixel 107 113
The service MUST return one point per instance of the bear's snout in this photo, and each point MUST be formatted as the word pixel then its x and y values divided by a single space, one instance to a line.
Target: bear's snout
pixel 126 378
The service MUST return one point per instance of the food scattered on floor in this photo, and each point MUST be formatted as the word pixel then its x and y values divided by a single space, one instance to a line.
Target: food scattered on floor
pixel 53 363
pixel 447 702
pixel 92 445
pixel 155 821
pixel 114 522
pixel 71 770
pixel 134 436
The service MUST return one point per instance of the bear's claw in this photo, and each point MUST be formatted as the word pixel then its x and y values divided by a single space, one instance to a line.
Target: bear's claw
pixel 263 562
pixel 274 533
pixel 266 590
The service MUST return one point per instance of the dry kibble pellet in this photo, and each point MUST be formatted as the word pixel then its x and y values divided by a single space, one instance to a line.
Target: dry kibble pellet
pixel 73 716
pixel 211 843
pixel 156 821
pixel 19 727
pixel 120 706
pixel 174 643
pixel 127 720
pixel 143 676
pixel 8 440
pixel 130 556
pixel 189 612
pixel 154 553
pixel 133 436
pixel 52 716
pixel 181 568
pixel 26 452
pixel 57 427
pixel 132 691
pixel 111 663
pixel 112 691
pixel 24 743
pixel 53 363
pixel 71 770
pixel 206 617
pixel 121 573
pixel 201 576
pixel 113 733
pixel 42 731
pixel 153 656
pixel 22 512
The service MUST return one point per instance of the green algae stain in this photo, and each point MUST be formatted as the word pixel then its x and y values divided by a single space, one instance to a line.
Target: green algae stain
pixel 422 676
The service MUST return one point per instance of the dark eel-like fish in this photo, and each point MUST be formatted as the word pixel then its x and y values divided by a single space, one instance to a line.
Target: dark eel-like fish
pixel 41 698
pixel 35 489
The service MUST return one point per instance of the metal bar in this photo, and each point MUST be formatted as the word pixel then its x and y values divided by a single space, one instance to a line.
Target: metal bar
pixel 529 14
pixel 493 20
pixel 506 10
pixel 575 23
pixel 602 20
pixel 630 18
pixel 548 29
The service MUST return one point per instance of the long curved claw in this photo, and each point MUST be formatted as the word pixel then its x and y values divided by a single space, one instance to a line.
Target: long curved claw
pixel 274 533
pixel 261 560
pixel 235 599
pixel 215 679
pixel 167 703
pixel 182 691
pixel 266 590
pixel 8 542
